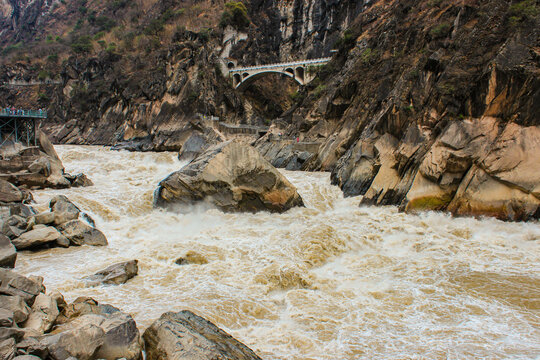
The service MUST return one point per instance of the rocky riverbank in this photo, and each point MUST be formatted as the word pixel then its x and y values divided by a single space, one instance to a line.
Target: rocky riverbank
pixel 35 324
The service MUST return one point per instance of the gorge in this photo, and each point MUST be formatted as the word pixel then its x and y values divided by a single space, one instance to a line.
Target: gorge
pixel 402 221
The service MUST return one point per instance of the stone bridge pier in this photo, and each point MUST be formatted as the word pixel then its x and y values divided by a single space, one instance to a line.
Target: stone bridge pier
pixel 297 70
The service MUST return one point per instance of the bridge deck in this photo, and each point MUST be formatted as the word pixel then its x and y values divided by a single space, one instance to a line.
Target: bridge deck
pixel 27 114
pixel 281 65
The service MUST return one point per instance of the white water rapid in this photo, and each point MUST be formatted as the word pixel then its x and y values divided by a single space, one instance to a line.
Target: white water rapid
pixel 328 281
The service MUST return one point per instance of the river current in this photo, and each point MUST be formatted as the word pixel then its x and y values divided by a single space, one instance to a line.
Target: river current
pixel 329 281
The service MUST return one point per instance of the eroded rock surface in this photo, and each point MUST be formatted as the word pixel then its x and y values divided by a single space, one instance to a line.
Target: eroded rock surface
pixel 231 176
pixel 184 335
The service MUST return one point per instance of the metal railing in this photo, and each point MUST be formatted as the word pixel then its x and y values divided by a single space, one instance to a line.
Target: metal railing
pixel 23 113
pixel 280 65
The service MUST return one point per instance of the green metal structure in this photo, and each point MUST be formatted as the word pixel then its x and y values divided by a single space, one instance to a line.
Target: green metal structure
pixel 18 125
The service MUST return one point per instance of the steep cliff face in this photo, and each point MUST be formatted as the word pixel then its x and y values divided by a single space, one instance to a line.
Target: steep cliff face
pixel 431 105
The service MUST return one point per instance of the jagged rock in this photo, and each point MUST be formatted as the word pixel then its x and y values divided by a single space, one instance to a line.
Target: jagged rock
pixel 115 274
pixel 64 210
pixel 14 284
pixel 81 343
pixel 191 257
pixel 6 318
pixel 44 218
pixel 27 357
pixel 14 226
pixel 231 176
pixel 80 233
pixel 43 315
pixel 37 237
pixel 184 335
pixel 17 305
pixel 81 180
pixel 8 254
pixel 41 166
pixel 8 350
pixel 11 332
pixel 193 147
pixel 9 192
pixel 120 339
pixel 33 347
pixel 22 209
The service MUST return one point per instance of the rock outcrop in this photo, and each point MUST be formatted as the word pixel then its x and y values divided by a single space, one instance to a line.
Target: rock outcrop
pixel 231 176
pixel 184 335
pixel 45 326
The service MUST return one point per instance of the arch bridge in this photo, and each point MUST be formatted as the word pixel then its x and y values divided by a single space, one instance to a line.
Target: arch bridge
pixel 243 76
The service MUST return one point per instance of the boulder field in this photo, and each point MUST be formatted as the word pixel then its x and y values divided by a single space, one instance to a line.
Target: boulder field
pixel 231 176
pixel 39 325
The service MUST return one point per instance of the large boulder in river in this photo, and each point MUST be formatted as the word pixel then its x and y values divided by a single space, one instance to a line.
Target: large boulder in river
pixel 9 192
pixel 115 274
pixel 39 236
pixel 184 335
pixel 231 176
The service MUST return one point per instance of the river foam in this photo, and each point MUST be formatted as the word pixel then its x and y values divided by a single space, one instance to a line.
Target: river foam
pixel 329 281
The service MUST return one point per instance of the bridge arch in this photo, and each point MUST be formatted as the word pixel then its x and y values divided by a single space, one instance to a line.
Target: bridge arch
pixel 299 73
pixel 248 80
pixel 237 79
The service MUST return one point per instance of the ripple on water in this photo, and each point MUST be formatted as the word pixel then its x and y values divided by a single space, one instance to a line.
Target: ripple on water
pixel 329 281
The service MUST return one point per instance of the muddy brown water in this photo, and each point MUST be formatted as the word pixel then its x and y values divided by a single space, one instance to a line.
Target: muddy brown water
pixel 329 281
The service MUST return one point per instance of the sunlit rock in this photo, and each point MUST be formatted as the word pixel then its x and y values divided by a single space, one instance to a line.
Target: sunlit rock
pixel 231 176
pixel 184 335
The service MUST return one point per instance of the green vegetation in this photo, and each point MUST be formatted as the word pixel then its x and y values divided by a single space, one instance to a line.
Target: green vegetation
pixel 111 48
pixel 53 58
pixel 440 30
pixel 346 41
pixel 368 55
pixel 49 39
pixel 155 27
pixel 117 4
pixel 235 15
pixel 82 44
pixel 43 75
pixel 204 35
pixel 43 97
pixel 522 11
pixel 102 44
pixel 105 23
pixel 318 90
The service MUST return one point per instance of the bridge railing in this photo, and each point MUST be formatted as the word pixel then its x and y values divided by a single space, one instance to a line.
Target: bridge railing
pixel 259 67
pixel 23 113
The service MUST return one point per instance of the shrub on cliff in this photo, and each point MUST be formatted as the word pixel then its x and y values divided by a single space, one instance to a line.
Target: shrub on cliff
pixel 235 14
pixel 82 44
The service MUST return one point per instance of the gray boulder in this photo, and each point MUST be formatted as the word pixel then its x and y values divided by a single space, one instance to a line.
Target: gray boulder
pixel 6 318
pixel 14 284
pixel 9 192
pixel 81 180
pixel 39 236
pixel 17 305
pixel 184 335
pixel 8 254
pixel 80 233
pixel 231 176
pixel 81 343
pixel 8 350
pixel 115 274
pixel 14 226
pixel 64 210
pixel 43 315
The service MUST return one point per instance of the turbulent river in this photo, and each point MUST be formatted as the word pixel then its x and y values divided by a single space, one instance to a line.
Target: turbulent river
pixel 329 281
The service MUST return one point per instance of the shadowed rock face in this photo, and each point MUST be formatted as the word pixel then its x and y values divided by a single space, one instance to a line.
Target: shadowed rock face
pixel 231 176
pixel 184 335
pixel 429 107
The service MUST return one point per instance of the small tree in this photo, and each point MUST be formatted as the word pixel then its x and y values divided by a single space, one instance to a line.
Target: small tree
pixel 235 14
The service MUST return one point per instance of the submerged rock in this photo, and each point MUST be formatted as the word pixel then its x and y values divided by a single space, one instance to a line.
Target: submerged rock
pixel 231 176
pixel 184 335
pixel 115 274
pixel 191 257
